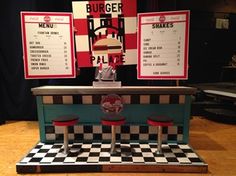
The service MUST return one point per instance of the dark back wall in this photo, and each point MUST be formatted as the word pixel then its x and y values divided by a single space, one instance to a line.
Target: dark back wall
pixel 209 50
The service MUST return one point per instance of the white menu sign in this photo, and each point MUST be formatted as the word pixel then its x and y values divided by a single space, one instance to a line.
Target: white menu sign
pixel 48 45
pixel 163 45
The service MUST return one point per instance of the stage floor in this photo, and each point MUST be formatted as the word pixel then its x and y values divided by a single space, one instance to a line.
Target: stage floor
pixel 95 157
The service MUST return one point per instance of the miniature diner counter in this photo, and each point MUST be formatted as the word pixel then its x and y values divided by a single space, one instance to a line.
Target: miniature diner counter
pixel 136 141
pixel 139 103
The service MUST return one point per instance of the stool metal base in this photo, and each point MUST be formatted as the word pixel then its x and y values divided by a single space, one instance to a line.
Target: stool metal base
pixel 66 141
pixel 159 140
pixel 113 140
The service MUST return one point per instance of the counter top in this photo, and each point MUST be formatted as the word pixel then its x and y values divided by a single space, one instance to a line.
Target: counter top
pixel 69 90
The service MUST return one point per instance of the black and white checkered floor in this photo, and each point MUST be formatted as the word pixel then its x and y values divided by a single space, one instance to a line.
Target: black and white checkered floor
pixel 49 157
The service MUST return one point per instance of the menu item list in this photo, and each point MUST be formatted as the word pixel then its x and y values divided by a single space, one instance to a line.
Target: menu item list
pixel 163 45
pixel 48 45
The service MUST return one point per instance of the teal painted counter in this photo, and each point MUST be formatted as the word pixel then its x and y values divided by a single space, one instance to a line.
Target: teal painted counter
pixel 139 103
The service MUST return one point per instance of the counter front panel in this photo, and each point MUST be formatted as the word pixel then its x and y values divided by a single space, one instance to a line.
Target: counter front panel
pixel 139 103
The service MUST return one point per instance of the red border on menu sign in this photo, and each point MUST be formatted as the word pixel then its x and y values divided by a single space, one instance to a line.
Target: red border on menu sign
pixel 163 45
pixel 48 45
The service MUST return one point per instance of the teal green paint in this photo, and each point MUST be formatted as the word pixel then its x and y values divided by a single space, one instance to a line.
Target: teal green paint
pixel 135 114
pixel 41 118
pixel 186 118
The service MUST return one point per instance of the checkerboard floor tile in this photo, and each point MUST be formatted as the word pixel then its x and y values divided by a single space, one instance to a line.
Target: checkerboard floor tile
pixel 98 154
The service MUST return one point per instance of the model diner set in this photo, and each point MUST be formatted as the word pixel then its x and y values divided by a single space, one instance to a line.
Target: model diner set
pixel 108 127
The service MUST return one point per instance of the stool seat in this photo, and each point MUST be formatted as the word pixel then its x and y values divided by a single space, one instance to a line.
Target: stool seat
pixel 65 121
pixel 159 120
pixel 112 119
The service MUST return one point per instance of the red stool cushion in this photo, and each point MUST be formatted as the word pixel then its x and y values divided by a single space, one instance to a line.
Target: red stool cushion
pixel 113 119
pixel 159 120
pixel 66 120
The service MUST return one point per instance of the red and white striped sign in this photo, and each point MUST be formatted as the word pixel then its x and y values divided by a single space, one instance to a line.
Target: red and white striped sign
pixel 105 32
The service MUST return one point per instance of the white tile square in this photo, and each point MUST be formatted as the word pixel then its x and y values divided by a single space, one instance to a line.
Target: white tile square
pixel 161 159
pixel 70 159
pixel 83 154
pixel 115 159
pixel 54 150
pixel 93 159
pixel 184 160
pixel 39 155
pixel 147 154
pixel 47 160
pixel 191 155
pixel 138 159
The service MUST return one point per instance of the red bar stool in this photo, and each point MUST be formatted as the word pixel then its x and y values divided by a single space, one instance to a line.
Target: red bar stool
pixel 65 121
pixel 112 106
pixel 159 121
pixel 113 120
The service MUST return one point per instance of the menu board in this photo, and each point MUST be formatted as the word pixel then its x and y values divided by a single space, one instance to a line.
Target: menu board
pixel 48 45
pixel 163 45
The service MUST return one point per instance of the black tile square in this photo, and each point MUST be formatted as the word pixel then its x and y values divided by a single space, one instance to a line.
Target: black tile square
pixel 187 150
pixel 125 129
pixel 104 159
pixel 35 160
pixel 85 150
pixel 172 137
pixel 143 129
pixel 137 154
pixel 38 146
pixel 56 146
pixel 59 137
pixel 149 159
pixel 172 159
pixel 49 129
pixel 126 159
pixel 135 99
pixel 77 99
pixel 30 155
pixel 153 146
pixel 134 146
pixel 105 150
pixel 72 154
pixel 174 146
pixel 50 155
pixel 180 155
pixel 146 150
pixel 43 150
pixel 97 136
pixel 180 130
pixel 174 99
pixel 134 136
pixel 76 146
pixel 166 150
pixel 82 159
pixel 154 99
pixel 195 160
pixel 106 129
pixel 59 159
pixel 96 99
pixel 165 130
pixel 94 154
pixel 79 137
pixel 71 129
pixel 88 129
pixel 96 145
pixel 57 99
pixel 152 137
